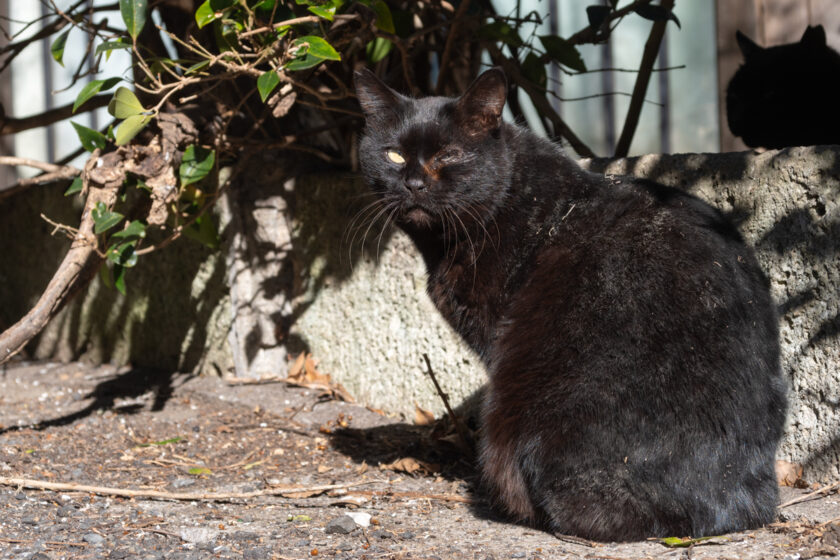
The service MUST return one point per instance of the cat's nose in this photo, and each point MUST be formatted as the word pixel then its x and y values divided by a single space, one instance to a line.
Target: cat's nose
pixel 415 184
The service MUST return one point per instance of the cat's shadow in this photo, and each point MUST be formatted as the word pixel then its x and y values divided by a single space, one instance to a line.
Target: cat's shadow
pixel 437 446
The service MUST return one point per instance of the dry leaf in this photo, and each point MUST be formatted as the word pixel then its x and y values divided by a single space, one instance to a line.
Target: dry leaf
pixel 423 417
pixel 411 465
pixel 361 469
pixel 788 474
pixel 323 468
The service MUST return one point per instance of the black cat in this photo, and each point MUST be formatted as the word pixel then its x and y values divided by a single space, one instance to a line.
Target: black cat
pixel 787 95
pixel 628 332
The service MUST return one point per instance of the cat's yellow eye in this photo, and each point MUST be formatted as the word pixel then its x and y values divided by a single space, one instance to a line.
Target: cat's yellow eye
pixel 396 157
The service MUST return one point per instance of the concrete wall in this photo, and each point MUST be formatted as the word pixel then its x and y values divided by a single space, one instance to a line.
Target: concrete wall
pixel 357 290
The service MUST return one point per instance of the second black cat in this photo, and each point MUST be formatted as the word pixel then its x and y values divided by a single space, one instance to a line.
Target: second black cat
pixel 628 333
pixel 788 95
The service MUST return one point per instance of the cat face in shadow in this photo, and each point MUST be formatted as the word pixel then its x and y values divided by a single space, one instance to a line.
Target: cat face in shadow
pixel 436 163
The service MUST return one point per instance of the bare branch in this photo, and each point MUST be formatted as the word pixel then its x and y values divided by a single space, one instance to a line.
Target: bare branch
pixel 637 100
pixel 75 271
pixel 12 125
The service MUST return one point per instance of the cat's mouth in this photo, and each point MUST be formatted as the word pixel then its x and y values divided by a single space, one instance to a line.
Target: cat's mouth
pixel 418 216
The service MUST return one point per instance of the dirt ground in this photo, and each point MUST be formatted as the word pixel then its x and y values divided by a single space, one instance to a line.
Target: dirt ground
pixel 272 471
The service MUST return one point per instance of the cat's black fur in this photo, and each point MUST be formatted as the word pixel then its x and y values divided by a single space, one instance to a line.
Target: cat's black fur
pixel 788 95
pixel 628 332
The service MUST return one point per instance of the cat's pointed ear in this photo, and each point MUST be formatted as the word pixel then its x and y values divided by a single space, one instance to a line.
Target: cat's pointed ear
pixel 479 110
pixel 748 46
pixel 814 37
pixel 379 102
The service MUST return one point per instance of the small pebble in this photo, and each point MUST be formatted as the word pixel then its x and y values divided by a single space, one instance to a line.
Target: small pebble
pixel 182 482
pixel 518 554
pixel 93 538
pixel 198 535
pixel 407 535
pixel 361 518
pixel 382 534
pixel 341 525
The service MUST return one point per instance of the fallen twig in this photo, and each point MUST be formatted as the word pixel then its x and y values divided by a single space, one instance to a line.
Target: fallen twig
pixel 826 488
pixel 50 543
pixel 161 495
pixel 412 496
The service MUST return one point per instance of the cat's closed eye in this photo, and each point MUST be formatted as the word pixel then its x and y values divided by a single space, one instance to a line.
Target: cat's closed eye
pixel 395 157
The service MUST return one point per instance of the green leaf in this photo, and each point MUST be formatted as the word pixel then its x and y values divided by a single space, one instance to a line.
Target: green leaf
pixel 196 67
pixel 134 15
pixel 200 470
pixel 92 89
pixel 298 518
pixel 384 19
pixel 326 12
pixel 104 219
pixel 677 542
pixel 105 275
pixel 211 10
pixel 129 128
pixel 75 186
pixel 378 49
pixel 266 83
pixel 306 61
pixel 90 139
pixel 57 47
pixel 109 46
pixel 204 231
pixel 125 104
pixel 195 164
pixel 502 32
pixel 563 52
pixel 534 70
pixel 135 230
pixel 655 12
pixel 123 254
pixel 119 278
pixel 317 47
pixel 162 442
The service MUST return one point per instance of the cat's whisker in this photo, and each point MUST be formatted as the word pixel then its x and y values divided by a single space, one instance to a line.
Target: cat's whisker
pixel 382 211
pixel 360 217
pixel 385 226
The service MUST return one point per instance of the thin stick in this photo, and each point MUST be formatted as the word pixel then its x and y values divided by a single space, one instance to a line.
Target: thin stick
pixel 52 543
pixel 160 495
pixel 806 497
pixel 412 496
pixel 459 426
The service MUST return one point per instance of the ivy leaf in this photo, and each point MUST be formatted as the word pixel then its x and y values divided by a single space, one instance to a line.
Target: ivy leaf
pixel 211 10
pixel 200 470
pixel 109 46
pixel 203 230
pixel 326 12
pixel 378 49
pixel 119 278
pixel 597 15
pixel 563 52
pixel 125 104
pixel 135 230
pixel 90 139
pixel 502 32
pixel 384 19
pixel 92 89
pixel 57 47
pixel 655 12
pixel 266 83
pixel 129 128
pixel 75 186
pixel 318 47
pixel 196 67
pixel 104 219
pixel 134 15
pixel 123 254
pixel 534 70
pixel 304 62
pixel 195 164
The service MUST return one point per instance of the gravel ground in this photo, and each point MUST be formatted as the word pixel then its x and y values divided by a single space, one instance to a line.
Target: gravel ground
pixel 393 489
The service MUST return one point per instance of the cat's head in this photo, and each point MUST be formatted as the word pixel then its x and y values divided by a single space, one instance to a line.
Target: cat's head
pixel 435 161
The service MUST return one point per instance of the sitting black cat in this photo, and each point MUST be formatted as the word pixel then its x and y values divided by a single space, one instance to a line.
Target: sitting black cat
pixel 787 95
pixel 628 332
